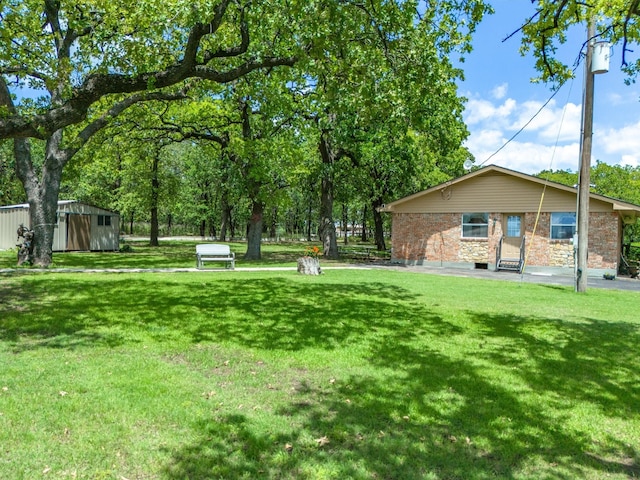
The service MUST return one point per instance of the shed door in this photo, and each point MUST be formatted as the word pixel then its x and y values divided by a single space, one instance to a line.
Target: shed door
pixel 79 232
pixel 513 231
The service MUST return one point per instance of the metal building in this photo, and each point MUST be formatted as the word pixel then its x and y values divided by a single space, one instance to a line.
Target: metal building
pixel 79 227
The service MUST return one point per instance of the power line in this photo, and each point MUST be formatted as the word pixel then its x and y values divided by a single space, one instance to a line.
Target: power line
pixel 523 127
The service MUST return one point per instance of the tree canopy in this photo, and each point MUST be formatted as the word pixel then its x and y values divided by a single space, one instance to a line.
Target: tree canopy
pixel 616 21
pixel 86 63
pixel 76 53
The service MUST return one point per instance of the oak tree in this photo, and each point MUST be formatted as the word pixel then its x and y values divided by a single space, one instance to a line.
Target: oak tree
pixel 546 30
pixel 91 60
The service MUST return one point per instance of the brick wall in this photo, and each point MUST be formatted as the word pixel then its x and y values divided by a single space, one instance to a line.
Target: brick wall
pixel 604 240
pixel 434 238
pixel 437 238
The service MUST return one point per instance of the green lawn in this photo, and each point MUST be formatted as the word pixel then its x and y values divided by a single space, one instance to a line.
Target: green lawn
pixel 170 254
pixel 361 374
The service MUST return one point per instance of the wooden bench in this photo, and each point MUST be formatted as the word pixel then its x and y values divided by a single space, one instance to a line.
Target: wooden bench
pixel 214 252
pixel 369 252
pixel 355 251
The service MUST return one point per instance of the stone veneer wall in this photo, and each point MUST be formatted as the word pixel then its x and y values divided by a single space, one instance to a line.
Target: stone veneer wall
pixel 474 251
pixel 560 254
pixel 418 238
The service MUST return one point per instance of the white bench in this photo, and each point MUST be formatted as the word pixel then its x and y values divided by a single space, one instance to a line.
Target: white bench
pixel 213 252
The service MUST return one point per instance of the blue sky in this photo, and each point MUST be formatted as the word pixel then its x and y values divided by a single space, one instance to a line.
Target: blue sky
pixel 502 99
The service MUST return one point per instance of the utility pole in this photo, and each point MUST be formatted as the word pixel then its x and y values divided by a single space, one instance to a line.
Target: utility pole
pixel 584 178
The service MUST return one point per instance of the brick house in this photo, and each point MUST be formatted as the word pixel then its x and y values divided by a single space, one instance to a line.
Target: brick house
pixel 501 219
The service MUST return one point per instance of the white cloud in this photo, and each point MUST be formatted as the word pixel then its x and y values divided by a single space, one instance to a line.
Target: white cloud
pixel 565 125
pixel 618 146
pixel 551 123
pixel 630 160
pixel 622 97
pixel 500 91
pixel 551 139
pixel 620 141
pixel 530 157
pixel 527 157
pixel 480 110
pixel 485 140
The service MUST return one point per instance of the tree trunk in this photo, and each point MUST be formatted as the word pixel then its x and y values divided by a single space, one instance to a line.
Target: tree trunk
pixel 227 159
pixel 309 266
pixel 327 226
pixel 225 214
pixel 273 224
pixel 225 220
pixel 42 194
pixel 254 233
pixel 378 225
pixel 155 187
pixel 345 223
pixel 309 221
pixel 131 218
pixel 364 224
pixel 202 228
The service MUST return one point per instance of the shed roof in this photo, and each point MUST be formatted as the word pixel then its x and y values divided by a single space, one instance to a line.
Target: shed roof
pixel 61 203
pixel 616 205
pixel 26 205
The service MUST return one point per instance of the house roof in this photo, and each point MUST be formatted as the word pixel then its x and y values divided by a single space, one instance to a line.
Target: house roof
pixel 617 205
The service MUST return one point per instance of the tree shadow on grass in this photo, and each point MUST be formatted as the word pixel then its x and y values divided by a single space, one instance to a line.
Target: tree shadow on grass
pixel 439 415
pixel 269 313
pixel 424 411
pixel 372 428
pixel 588 360
pixel 562 365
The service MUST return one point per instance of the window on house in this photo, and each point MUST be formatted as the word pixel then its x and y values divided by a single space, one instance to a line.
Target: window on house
pixel 104 220
pixel 475 225
pixel 514 227
pixel 563 225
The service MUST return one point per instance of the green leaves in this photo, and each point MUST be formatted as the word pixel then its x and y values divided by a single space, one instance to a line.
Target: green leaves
pixel 368 74
pixel 545 31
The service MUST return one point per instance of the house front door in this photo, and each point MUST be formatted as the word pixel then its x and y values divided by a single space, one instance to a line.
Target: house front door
pixel 513 232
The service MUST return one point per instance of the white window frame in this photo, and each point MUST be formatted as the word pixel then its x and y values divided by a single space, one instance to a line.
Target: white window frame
pixel 469 226
pixel 556 225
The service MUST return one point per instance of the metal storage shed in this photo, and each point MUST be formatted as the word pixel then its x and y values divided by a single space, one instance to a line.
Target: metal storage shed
pixel 79 227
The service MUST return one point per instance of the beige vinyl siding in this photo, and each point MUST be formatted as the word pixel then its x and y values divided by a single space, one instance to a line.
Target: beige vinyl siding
pixel 10 219
pixel 103 237
pixel 60 234
pixel 495 192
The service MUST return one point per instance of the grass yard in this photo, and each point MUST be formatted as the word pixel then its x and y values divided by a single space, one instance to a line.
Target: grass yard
pixel 170 254
pixel 356 374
